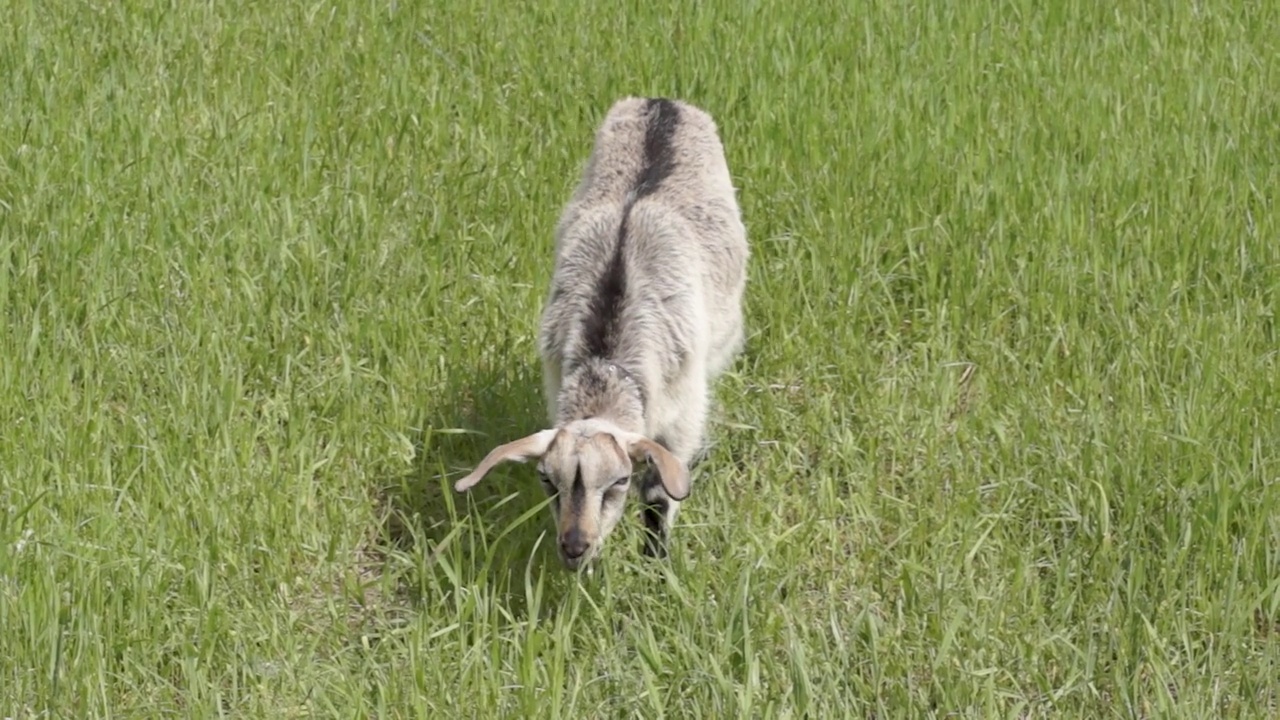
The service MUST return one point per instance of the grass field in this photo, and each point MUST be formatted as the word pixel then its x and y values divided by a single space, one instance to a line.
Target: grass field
pixel 1003 442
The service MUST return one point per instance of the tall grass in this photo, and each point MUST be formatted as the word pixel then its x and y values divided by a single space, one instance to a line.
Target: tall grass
pixel 1002 444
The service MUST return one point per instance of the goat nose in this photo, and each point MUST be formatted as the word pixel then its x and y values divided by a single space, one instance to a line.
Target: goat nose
pixel 573 544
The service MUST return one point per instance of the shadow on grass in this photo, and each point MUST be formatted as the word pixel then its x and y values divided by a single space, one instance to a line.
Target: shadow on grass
pixel 490 537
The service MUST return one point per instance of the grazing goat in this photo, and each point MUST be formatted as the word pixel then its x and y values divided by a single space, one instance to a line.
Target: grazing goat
pixel 644 311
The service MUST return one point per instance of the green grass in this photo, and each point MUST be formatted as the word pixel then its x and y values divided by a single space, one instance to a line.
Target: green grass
pixel 1003 442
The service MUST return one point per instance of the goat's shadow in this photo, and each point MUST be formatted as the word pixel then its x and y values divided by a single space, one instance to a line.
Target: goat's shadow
pixel 498 534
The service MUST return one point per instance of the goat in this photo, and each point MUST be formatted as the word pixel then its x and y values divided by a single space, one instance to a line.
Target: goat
pixel 644 312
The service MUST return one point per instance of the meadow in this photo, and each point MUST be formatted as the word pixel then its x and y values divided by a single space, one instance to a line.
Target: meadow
pixel 1002 443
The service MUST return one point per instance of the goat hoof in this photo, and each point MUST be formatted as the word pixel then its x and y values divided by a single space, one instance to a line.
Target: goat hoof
pixel 654 548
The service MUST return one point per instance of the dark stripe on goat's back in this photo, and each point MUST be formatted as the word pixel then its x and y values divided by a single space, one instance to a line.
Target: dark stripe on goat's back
pixel 606 306
pixel 659 152
pixel 659 161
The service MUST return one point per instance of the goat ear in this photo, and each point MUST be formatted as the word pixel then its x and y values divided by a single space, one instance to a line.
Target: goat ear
pixel 520 450
pixel 671 471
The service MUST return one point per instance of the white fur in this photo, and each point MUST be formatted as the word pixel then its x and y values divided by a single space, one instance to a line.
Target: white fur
pixel 644 312
pixel 685 265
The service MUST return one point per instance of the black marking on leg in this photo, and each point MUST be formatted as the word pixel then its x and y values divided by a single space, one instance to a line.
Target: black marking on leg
pixel 655 526
pixel 654 513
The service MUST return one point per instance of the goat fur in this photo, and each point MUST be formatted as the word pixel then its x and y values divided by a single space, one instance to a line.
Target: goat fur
pixel 643 313
pixel 657 204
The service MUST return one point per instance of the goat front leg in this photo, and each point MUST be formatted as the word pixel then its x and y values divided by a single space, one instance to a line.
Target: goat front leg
pixel 659 514
pixel 660 509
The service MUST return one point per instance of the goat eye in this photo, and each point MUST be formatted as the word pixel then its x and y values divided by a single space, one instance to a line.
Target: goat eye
pixel 547 485
pixel 622 481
